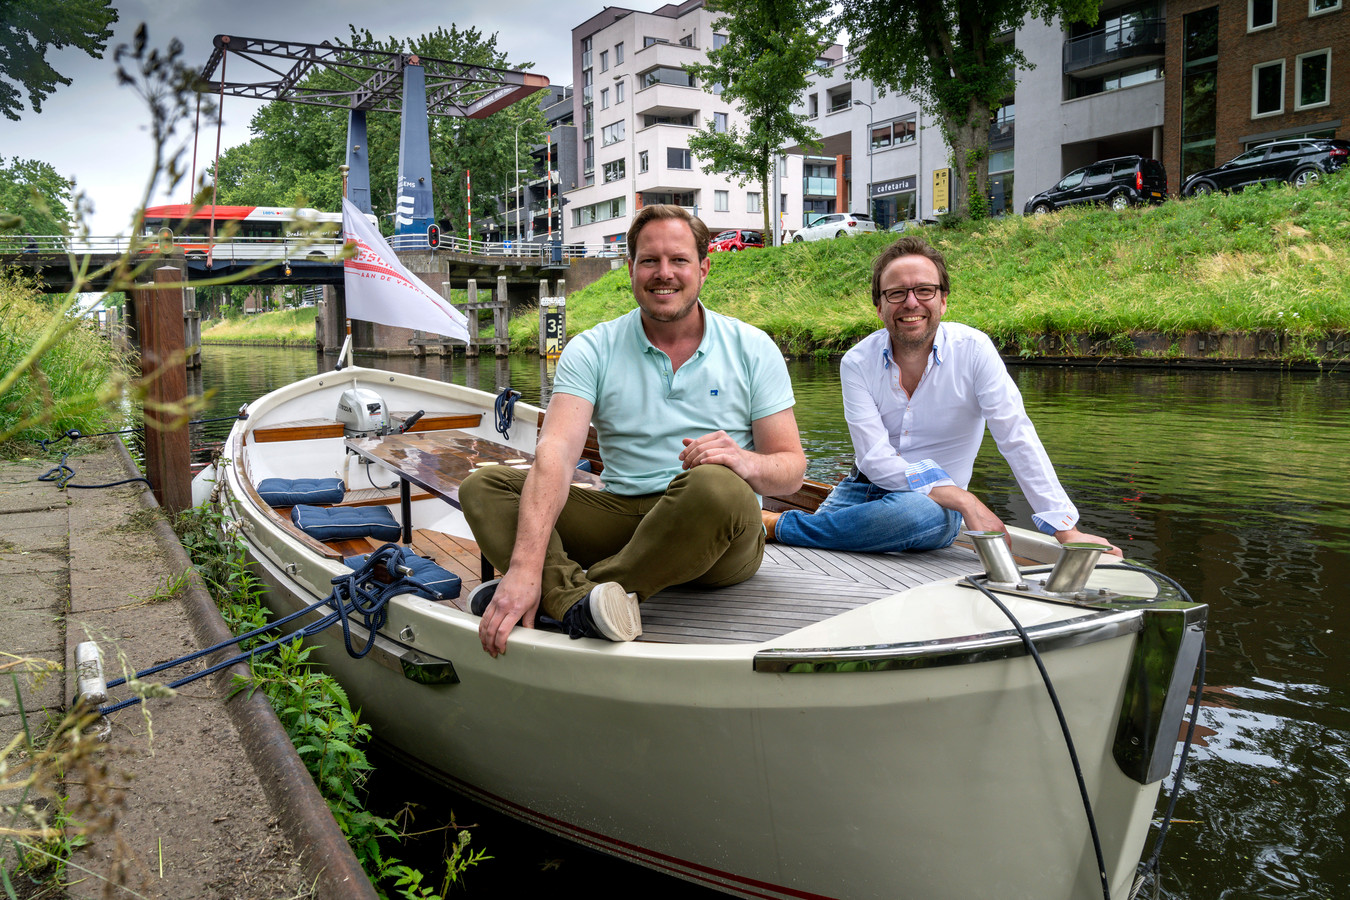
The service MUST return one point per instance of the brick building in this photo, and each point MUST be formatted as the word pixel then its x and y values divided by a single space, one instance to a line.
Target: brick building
pixel 1243 72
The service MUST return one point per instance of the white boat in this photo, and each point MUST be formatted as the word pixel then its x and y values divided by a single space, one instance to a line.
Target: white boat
pixel 840 725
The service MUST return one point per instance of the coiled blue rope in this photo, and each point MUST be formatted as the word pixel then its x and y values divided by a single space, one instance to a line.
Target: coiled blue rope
pixel 505 408
pixel 353 593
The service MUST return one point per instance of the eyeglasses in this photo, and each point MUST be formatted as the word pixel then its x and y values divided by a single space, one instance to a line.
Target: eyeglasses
pixel 923 292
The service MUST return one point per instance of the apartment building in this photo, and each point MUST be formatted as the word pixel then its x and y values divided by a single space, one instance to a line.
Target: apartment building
pixel 1251 71
pixel 532 211
pixel 636 107
pixel 877 153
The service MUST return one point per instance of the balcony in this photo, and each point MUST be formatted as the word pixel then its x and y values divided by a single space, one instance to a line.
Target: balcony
pixel 1139 39
pixel 820 187
pixel 1002 135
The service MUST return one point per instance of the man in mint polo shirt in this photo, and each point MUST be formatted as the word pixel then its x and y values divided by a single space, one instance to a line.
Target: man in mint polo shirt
pixel 694 416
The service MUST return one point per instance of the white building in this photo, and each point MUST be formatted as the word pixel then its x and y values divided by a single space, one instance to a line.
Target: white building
pixel 636 108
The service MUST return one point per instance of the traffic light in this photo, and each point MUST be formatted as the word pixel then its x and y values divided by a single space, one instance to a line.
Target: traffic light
pixel 433 236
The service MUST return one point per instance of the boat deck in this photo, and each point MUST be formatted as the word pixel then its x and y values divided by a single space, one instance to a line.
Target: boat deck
pixel 794 587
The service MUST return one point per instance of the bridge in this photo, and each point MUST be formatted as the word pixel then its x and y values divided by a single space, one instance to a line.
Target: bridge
pixel 51 260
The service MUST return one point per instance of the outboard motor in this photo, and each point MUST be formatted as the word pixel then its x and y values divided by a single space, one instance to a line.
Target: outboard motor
pixel 363 413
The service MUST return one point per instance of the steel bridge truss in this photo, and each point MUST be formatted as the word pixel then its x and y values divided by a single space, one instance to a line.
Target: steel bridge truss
pixel 453 89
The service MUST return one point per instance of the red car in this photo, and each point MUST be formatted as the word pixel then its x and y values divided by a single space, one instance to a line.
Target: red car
pixel 736 239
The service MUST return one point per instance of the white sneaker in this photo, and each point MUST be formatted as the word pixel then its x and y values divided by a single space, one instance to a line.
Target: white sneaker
pixel 612 612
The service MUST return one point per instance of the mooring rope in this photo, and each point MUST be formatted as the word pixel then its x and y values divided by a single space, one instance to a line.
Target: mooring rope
pixel 505 408
pixel 353 593
pixel 63 473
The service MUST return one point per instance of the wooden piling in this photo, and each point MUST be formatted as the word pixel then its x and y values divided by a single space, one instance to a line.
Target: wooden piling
pixel 159 316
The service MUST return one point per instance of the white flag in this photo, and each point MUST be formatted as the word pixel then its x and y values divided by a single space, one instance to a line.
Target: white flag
pixel 380 289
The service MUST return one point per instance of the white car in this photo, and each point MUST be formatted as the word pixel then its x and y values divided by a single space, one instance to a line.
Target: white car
pixel 836 225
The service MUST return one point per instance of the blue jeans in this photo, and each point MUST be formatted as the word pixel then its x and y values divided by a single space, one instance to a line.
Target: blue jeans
pixel 864 517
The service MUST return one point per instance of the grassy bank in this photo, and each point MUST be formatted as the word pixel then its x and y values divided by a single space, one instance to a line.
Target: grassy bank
pixel 1273 259
pixel 283 328
pixel 68 386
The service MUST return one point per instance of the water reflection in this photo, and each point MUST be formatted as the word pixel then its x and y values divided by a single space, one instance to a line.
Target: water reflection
pixel 1234 483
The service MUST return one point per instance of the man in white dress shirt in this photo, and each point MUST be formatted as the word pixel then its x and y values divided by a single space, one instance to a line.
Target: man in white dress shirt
pixel 917 397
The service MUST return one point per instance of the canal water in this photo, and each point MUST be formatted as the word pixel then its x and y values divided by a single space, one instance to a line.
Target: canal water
pixel 1232 482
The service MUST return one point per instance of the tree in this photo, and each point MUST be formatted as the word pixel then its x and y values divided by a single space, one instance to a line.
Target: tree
pixel 296 149
pixel 763 68
pixel 30 29
pixel 33 198
pixel 953 56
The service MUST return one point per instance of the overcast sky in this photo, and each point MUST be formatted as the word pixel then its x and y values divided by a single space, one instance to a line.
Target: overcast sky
pixel 96 131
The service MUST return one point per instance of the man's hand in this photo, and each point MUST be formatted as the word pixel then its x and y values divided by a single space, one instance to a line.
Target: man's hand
pixel 515 600
pixel 978 517
pixel 717 449
pixel 1074 536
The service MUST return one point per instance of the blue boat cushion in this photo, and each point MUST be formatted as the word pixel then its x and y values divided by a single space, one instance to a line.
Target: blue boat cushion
pixel 292 491
pixel 336 523
pixel 424 571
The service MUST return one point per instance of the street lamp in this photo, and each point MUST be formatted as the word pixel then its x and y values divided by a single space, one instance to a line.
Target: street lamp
pixel 870 211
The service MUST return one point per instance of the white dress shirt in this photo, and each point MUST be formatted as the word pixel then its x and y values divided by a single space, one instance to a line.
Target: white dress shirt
pixel 915 443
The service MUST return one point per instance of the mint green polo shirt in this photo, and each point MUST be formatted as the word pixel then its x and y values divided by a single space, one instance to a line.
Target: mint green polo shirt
pixel 643 411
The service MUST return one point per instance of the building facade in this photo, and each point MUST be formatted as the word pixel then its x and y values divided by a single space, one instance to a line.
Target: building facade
pixel 1252 71
pixel 636 107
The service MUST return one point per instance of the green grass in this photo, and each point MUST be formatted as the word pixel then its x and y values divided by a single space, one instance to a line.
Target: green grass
pixel 70 386
pixel 282 328
pixel 1270 259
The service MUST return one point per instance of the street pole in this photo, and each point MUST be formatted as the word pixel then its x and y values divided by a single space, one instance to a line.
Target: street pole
pixel 517 196
pixel 870 154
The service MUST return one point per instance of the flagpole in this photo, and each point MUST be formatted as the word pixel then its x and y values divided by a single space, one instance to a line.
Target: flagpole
pixel 346 344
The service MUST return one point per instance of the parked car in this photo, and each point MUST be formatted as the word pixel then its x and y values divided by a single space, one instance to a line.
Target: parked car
pixel 836 225
pixel 1118 183
pixel 736 239
pixel 1299 162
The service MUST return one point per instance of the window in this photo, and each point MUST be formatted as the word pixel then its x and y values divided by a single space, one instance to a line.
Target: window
pixel 687 120
pixel 892 134
pixel 667 75
pixel 752 204
pixel 1317 7
pixel 612 134
pixel 721 201
pixel 648 41
pixel 1260 14
pixel 585 53
pixel 687 40
pixel 841 100
pixel 618 92
pixel 604 60
pixel 716 89
pixel 678 158
pixel 604 98
pixel 676 198
pixel 1312 79
pixel 598 212
pixel 813 106
pixel 642 161
pixel 1268 88
pixel 618 53
pixel 720 122
pixel 719 41
pixel 613 171
pixel 588 161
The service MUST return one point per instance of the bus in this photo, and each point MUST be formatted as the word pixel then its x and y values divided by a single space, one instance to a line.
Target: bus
pixel 247 233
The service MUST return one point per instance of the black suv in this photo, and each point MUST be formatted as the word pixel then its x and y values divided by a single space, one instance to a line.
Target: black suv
pixel 1299 162
pixel 1120 182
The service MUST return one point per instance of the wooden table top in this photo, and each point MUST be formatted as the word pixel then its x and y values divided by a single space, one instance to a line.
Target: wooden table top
pixel 439 461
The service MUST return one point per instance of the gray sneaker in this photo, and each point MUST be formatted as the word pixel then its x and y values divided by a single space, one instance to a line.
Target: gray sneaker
pixel 608 612
pixel 481 596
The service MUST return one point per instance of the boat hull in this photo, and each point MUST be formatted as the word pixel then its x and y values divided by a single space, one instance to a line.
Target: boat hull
pixel 935 779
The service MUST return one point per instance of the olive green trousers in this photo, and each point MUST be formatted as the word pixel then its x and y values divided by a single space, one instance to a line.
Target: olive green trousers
pixel 704 529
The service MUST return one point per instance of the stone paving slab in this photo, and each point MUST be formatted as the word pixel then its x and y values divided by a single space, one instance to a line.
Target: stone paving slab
pixel 33 590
